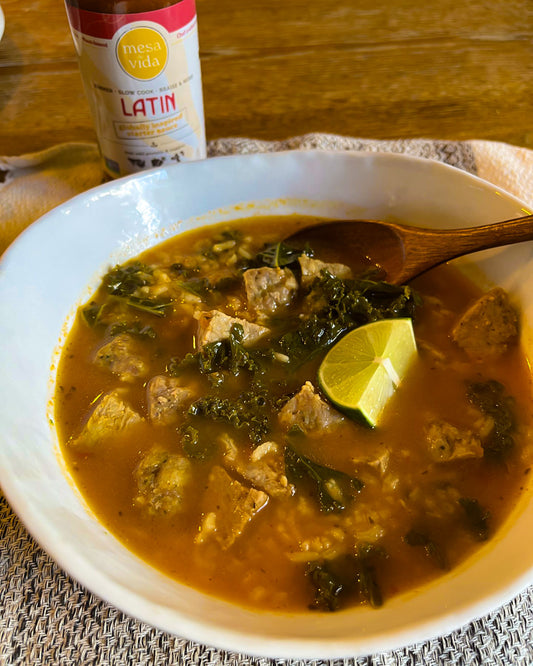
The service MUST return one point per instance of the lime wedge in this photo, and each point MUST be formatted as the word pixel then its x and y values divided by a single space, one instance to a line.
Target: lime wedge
pixel 361 372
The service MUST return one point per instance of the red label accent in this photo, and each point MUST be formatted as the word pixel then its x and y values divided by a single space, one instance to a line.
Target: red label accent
pixel 104 26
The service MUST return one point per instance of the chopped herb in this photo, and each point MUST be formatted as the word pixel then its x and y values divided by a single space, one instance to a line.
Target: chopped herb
pixel 490 397
pixel 477 518
pixel 334 489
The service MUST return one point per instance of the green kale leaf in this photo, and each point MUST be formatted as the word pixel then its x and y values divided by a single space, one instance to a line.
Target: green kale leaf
pixel 490 397
pixel 251 411
pixel 195 446
pixel 279 255
pixel 367 558
pixel 92 313
pixel 198 286
pixel 347 304
pixel 185 272
pixel 334 489
pixel 136 328
pixel 226 356
pixel 419 538
pixel 154 306
pixel 327 587
pixel 347 577
pixel 126 279
pixel 477 518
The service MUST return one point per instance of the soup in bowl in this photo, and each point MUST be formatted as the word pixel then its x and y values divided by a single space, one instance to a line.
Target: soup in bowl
pixel 253 446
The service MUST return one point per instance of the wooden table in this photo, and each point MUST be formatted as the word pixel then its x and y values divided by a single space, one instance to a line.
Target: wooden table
pixel 393 69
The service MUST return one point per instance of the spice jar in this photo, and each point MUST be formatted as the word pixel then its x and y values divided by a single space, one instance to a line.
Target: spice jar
pixel 140 65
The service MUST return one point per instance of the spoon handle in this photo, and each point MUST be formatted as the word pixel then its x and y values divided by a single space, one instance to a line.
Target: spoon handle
pixel 493 235
pixel 445 244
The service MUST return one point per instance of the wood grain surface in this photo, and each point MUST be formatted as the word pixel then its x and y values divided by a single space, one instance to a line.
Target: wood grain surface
pixel 396 69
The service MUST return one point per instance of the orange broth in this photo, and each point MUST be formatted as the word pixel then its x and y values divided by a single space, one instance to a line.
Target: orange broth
pixel 265 568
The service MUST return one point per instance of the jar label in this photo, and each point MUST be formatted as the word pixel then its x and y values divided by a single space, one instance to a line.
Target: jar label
pixel 142 77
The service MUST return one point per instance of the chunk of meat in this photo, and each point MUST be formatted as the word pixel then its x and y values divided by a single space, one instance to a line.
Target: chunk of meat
pixel 162 479
pixel 122 357
pixel 269 291
pixel 308 411
pixel 214 326
pixel 229 506
pixel 311 269
pixel 446 442
pixel 488 327
pixel 264 468
pixel 111 415
pixel 165 398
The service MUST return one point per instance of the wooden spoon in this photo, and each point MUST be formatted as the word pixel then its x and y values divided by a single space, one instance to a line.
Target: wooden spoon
pixel 402 252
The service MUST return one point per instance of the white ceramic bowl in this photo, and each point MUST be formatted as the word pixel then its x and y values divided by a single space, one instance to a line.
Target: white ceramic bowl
pixel 53 267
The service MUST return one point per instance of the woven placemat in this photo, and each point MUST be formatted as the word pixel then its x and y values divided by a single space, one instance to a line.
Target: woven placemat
pixel 46 617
